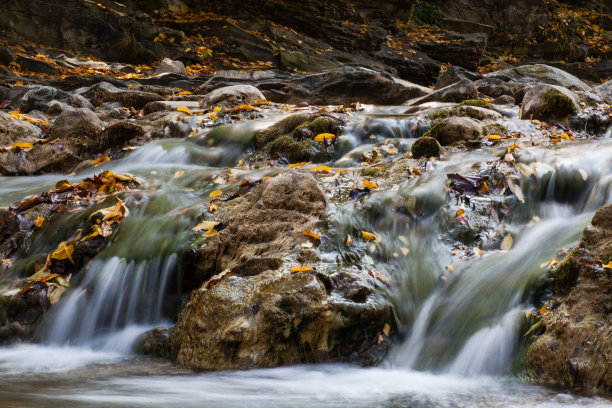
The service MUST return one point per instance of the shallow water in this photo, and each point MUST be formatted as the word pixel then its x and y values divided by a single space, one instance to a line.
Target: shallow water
pixel 460 334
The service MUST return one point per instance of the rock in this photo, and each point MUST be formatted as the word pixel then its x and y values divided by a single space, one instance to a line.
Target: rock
pixel 231 96
pixel 296 60
pixel 104 92
pixel 467 27
pixel 574 347
pixel 604 91
pixel 39 98
pixel 12 130
pixel 34 65
pixel 454 130
pixel 504 100
pixel 120 133
pixel 6 56
pixel 168 66
pixel 156 343
pixel 82 127
pixel 263 315
pixel 543 74
pixel 425 147
pixel 457 92
pixel 604 68
pixel 493 87
pixel 455 74
pixel 580 70
pixel 549 103
pixel 464 50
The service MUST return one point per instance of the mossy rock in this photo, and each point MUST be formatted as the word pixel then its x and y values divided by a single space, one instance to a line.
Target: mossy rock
pixel 556 102
pixel 494 129
pixel 566 273
pixel 298 151
pixel 454 130
pixel 285 126
pixel 476 102
pixel 549 103
pixel 370 172
pixel 426 146
pixel 441 114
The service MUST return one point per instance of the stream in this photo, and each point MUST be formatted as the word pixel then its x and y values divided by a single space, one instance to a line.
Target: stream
pixel 460 330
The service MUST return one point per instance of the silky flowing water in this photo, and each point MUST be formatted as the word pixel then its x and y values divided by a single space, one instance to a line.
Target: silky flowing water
pixel 461 335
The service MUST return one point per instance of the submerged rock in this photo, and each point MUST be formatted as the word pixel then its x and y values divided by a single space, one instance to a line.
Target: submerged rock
pixel 254 312
pixel 425 146
pixel 575 348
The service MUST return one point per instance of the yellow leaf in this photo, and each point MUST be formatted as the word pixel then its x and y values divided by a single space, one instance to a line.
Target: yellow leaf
pixel 213 116
pixel 386 329
pixel 62 252
pixel 369 184
pixel 507 242
pixel 184 93
pixel 300 164
pixel 309 233
pixel 368 236
pixel 205 226
pixel 215 193
pixel 349 241
pixel 100 160
pixel 494 137
pixel 607 266
pixel 460 212
pixel 26 147
pixel 405 251
pixel 543 310
pixel 321 168
pixel 18 83
pixel 210 233
pixel 322 136
pixel 184 109
pixel 301 269
pixel 39 221
pixel 179 173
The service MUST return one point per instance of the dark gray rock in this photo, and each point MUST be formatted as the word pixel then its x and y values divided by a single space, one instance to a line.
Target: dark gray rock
pixel 457 92
pixel 455 74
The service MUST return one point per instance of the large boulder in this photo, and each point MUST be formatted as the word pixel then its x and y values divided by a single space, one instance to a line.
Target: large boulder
pixel 168 66
pixel 464 50
pixel 455 74
pixel 604 91
pixel 549 103
pixel 104 92
pixel 79 127
pixel 544 74
pixel 574 346
pixel 254 312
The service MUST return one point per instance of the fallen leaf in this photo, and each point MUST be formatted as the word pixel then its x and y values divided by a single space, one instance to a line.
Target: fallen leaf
pixel 210 233
pixel 183 93
pixel 309 233
pixel 349 240
pixel 387 329
pixel 543 310
pixel 301 269
pixel 405 251
pixel 368 236
pixel 184 109
pixel 369 184
pixel 321 168
pixel 300 164
pixel 26 147
pixel 39 221
pixel 215 193
pixel 179 173
pixel 494 138
pixel 205 226
pixel 62 252
pixel 321 137
pixel 18 83
pixel 100 160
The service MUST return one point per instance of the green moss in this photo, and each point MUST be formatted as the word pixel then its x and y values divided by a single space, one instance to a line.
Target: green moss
pixel 324 124
pixel 370 172
pixel 425 146
pixel 554 103
pixel 280 144
pixel 566 274
pixel 441 114
pixel 304 131
pixel 298 151
pixel 476 102
pixel 280 128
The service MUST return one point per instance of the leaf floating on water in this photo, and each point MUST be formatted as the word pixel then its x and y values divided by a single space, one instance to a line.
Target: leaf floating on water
pixel 215 193
pixel 184 109
pixel 306 268
pixel 39 221
pixel 100 160
pixel 62 252
pixel 368 236
pixel 205 226
pixel 369 184
pixel 507 242
pixel 179 173
pixel 311 234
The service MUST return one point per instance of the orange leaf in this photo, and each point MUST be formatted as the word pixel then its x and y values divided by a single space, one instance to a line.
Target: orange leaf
pixel 494 137
pixel 100 160
pixel 368 236
pixel 324 136
pixel 309 233
pixel 369 184
pixel 63 251
pixel 301 269
pixel 26 147
pixel 184 109
pixel 215 193
pixel 543 310
pixel 321 168
pixel 39 221
pixel 300 164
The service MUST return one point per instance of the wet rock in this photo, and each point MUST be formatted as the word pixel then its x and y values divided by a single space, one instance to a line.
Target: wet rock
pixel 426 147
pixel 34 65
pixel 119 134
pixel 455 74
pixel 296 60
pixel 574 348
pixel 168 66
pixel 504 100
pixel 231 96
pixel 39 98
pixel 259 314
pixel 604 68
pixel 12 130
pixel 457 92
pixel 493 87
pixel 549 103
pixel 604 91
pixel 104 92
pixel 6 56
pixel 156 343
pixel 455 129
pixel 543 74
pixel 81 127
